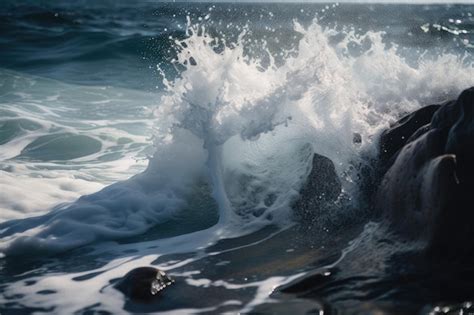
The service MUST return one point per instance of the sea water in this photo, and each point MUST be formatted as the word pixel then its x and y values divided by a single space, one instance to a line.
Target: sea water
pixel 179 134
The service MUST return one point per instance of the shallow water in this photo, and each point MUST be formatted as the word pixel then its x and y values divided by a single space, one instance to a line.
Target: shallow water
pixel 188 130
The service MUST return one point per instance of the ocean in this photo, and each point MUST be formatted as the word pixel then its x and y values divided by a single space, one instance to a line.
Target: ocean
pixel 179 135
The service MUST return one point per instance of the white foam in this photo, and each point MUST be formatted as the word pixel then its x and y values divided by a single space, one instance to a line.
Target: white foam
pixel 122 209
pixel 18 200
pixel 319 96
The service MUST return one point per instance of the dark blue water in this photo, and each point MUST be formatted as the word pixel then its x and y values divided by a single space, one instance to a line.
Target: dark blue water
pixel 120 43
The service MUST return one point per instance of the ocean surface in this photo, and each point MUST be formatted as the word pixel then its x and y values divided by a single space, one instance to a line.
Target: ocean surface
pixel 178 135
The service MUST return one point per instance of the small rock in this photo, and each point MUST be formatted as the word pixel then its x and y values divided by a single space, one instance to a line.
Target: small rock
pixel 144 283
pixel 322 188
pixel 356 138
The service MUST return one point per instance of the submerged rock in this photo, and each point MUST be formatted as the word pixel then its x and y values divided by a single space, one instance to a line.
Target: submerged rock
pixel 143 283
pixel 427 191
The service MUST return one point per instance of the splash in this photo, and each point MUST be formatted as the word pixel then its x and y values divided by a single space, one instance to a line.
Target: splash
pixel 248 112
pixel 249 128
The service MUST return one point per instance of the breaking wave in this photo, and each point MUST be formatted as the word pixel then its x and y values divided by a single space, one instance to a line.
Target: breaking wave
pixel 242 128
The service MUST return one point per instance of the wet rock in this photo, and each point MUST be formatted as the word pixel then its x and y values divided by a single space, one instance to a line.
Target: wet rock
pixel 143 283
pixel 427 192
pixel 321 187
pixel 459 118
pixel 356 138
pixel 393 139
pixel 408 183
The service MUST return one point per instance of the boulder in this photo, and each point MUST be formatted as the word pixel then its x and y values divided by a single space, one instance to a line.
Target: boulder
pixel 393 139
pixel 321 188
pixel 427 191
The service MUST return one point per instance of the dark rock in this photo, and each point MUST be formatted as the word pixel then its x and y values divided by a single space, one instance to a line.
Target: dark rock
pixel 143 283
pixel 461 135
pixel 323 181
pixel 322 203
pixel 427 192
pixel 356 138
pixel 321 187
pixel 406 185
pixel 393 139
